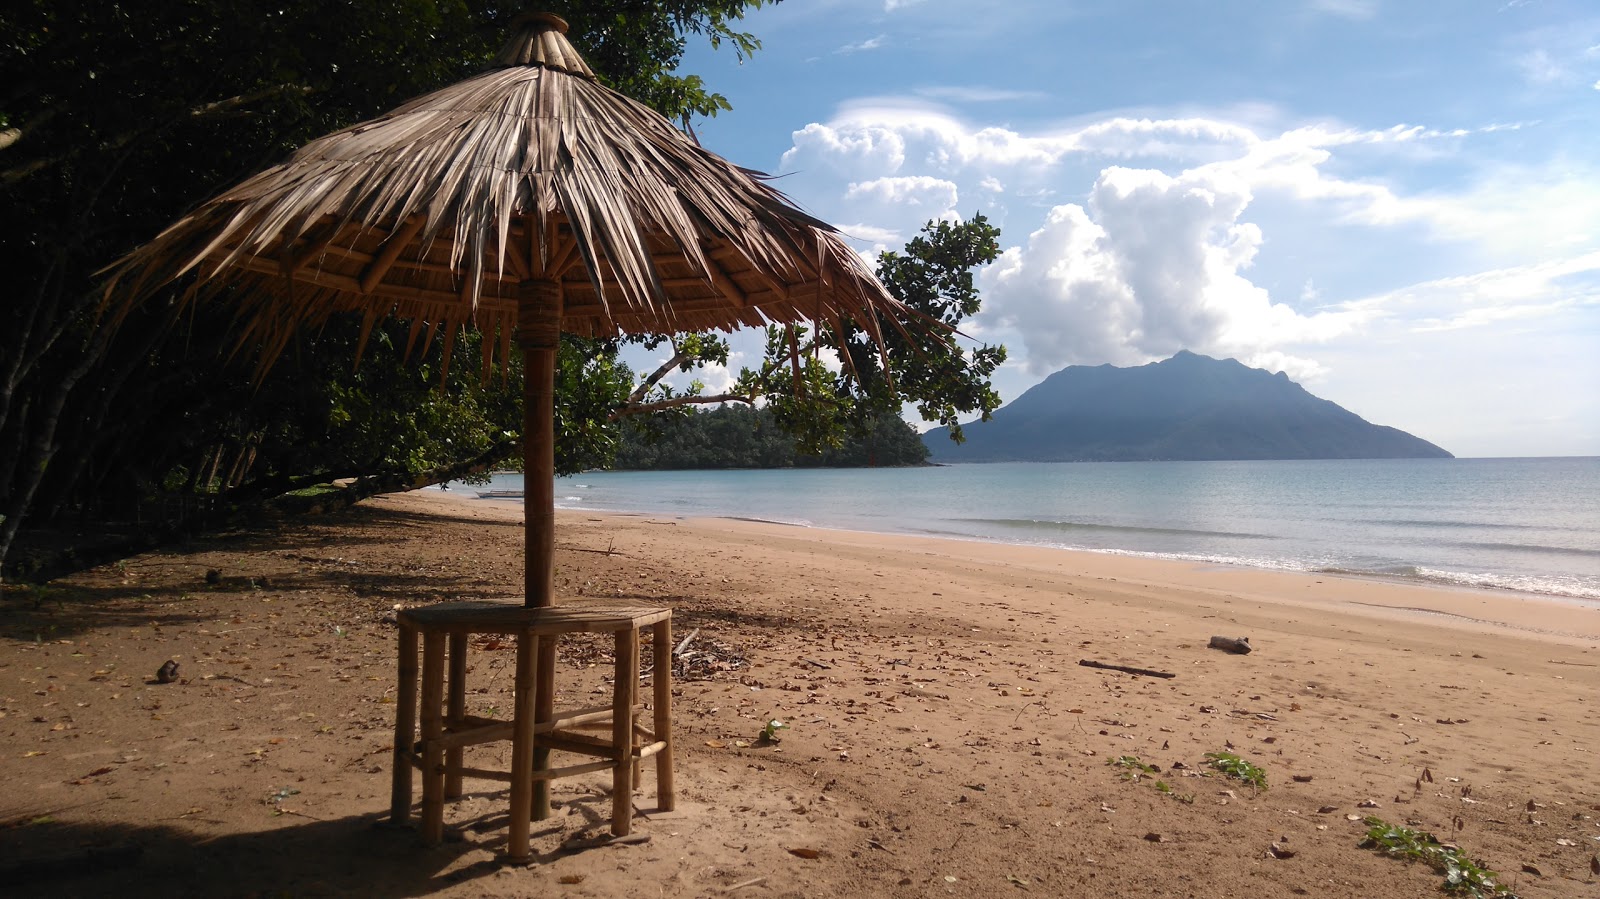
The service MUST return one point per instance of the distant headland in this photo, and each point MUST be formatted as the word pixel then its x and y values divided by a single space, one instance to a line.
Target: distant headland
pixel 1189 407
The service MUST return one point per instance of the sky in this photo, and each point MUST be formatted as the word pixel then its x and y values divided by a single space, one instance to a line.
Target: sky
pixel 1396 202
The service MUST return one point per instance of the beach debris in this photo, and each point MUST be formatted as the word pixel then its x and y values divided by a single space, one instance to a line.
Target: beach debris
pixel 1302 778
pixel 684 645
pixel 1594 865
pixel 582 841
pixel 167 673
pixel 805 852
pixel 1087 663
pixel 1153 837
pixel 1237 645
pixel 1532 869
pixel 1278 850
pixel 813 662
pixel 744 883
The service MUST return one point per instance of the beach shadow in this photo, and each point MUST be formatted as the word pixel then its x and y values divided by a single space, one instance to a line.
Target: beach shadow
pixel 57 611
pixel 352 856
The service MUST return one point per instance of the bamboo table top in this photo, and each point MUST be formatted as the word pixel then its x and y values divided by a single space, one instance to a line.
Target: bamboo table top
pixel 588 615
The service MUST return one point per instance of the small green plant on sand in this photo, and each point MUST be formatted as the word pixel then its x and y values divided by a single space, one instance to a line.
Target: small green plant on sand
pixel 1165 789
pixel 1132 768
pixel 1237 768
pixel 1463 876
pixel 769 734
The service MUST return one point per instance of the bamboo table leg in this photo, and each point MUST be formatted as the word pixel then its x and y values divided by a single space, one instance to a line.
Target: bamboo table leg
pixel 455 707
pixel 661 633
pixel 432 730
pixel 543 712
pixel 522 785
pixel 627 681
pixel 405 725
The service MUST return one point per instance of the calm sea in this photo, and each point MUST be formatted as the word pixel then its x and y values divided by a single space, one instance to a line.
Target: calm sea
pixel 1530 525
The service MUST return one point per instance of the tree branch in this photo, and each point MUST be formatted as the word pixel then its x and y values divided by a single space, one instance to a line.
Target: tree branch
pixel 694 400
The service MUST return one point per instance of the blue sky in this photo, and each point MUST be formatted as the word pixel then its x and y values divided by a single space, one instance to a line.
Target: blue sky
pixel 1397 202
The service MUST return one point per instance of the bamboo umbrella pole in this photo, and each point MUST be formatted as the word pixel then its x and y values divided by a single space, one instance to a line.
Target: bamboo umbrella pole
pixel 539 336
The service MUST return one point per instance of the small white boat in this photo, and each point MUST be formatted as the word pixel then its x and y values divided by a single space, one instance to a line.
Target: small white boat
pixel 500 494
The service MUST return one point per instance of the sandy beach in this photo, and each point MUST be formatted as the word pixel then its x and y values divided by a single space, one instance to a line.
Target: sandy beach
pixel 941 737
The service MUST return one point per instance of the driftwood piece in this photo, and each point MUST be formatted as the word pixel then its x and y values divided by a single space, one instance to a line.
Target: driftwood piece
pixel 686 641
pixel 1239 646
pixel 585 843
pixel 1125 668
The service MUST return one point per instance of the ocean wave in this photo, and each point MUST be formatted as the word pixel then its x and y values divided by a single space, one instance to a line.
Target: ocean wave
pixel 790 522
pixel 1565 586
pixel 1534 548
pixel 1085 526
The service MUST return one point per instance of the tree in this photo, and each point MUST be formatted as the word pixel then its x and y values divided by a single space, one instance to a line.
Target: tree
pixel 880 366
pixel 115 119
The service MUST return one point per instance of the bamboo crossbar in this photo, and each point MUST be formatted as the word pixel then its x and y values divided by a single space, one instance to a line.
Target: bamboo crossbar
pixel 472 730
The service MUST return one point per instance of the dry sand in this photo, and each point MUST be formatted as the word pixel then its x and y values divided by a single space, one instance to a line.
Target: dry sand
pixel 942 738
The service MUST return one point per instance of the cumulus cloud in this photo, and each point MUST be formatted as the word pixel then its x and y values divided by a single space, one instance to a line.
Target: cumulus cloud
pixel 1153 265
pixel 1153 227
pixel 922 191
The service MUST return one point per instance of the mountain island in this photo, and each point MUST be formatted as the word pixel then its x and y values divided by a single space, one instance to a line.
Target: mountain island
pixel 1189 407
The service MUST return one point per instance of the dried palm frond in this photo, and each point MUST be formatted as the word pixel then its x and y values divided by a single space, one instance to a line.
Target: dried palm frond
pixel 532 171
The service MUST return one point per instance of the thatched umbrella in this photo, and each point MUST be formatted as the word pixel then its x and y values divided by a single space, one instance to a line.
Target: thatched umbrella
pixel 525 201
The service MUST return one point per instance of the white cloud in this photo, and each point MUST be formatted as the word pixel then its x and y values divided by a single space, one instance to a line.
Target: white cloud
pixel 922 191
pixel 892 5
pixel 871 43
pixel 1154 229
pixel 1152 266
pixel 977 94
pixel 1349 9
pixel 878 238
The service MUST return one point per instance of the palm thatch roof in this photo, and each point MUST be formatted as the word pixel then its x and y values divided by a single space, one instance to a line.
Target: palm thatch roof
pixel 531 171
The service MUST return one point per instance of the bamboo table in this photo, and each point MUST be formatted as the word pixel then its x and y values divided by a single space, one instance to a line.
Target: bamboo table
pixel 446 728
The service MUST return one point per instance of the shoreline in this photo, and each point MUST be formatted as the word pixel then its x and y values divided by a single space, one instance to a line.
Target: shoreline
pixel 1572 620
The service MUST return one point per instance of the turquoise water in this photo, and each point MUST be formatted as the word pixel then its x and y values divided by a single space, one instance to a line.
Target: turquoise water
pixel 1530 525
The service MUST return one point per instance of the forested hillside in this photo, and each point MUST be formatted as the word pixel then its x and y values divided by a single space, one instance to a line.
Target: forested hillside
pixel 742 437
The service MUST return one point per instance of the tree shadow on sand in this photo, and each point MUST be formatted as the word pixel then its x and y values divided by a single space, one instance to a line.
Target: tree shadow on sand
pixel 358 855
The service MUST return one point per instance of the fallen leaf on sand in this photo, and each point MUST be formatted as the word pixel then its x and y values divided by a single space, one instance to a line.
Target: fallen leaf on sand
pixel 572 878
pixel 716 744
pixel 805 852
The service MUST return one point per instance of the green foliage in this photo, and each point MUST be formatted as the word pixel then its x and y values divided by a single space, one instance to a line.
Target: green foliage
pixel 1237 768
pixel 1463 876
pixel 738 436
pixel 769 733
pixel 1132 768
pixel 115 120
pixel 883 366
